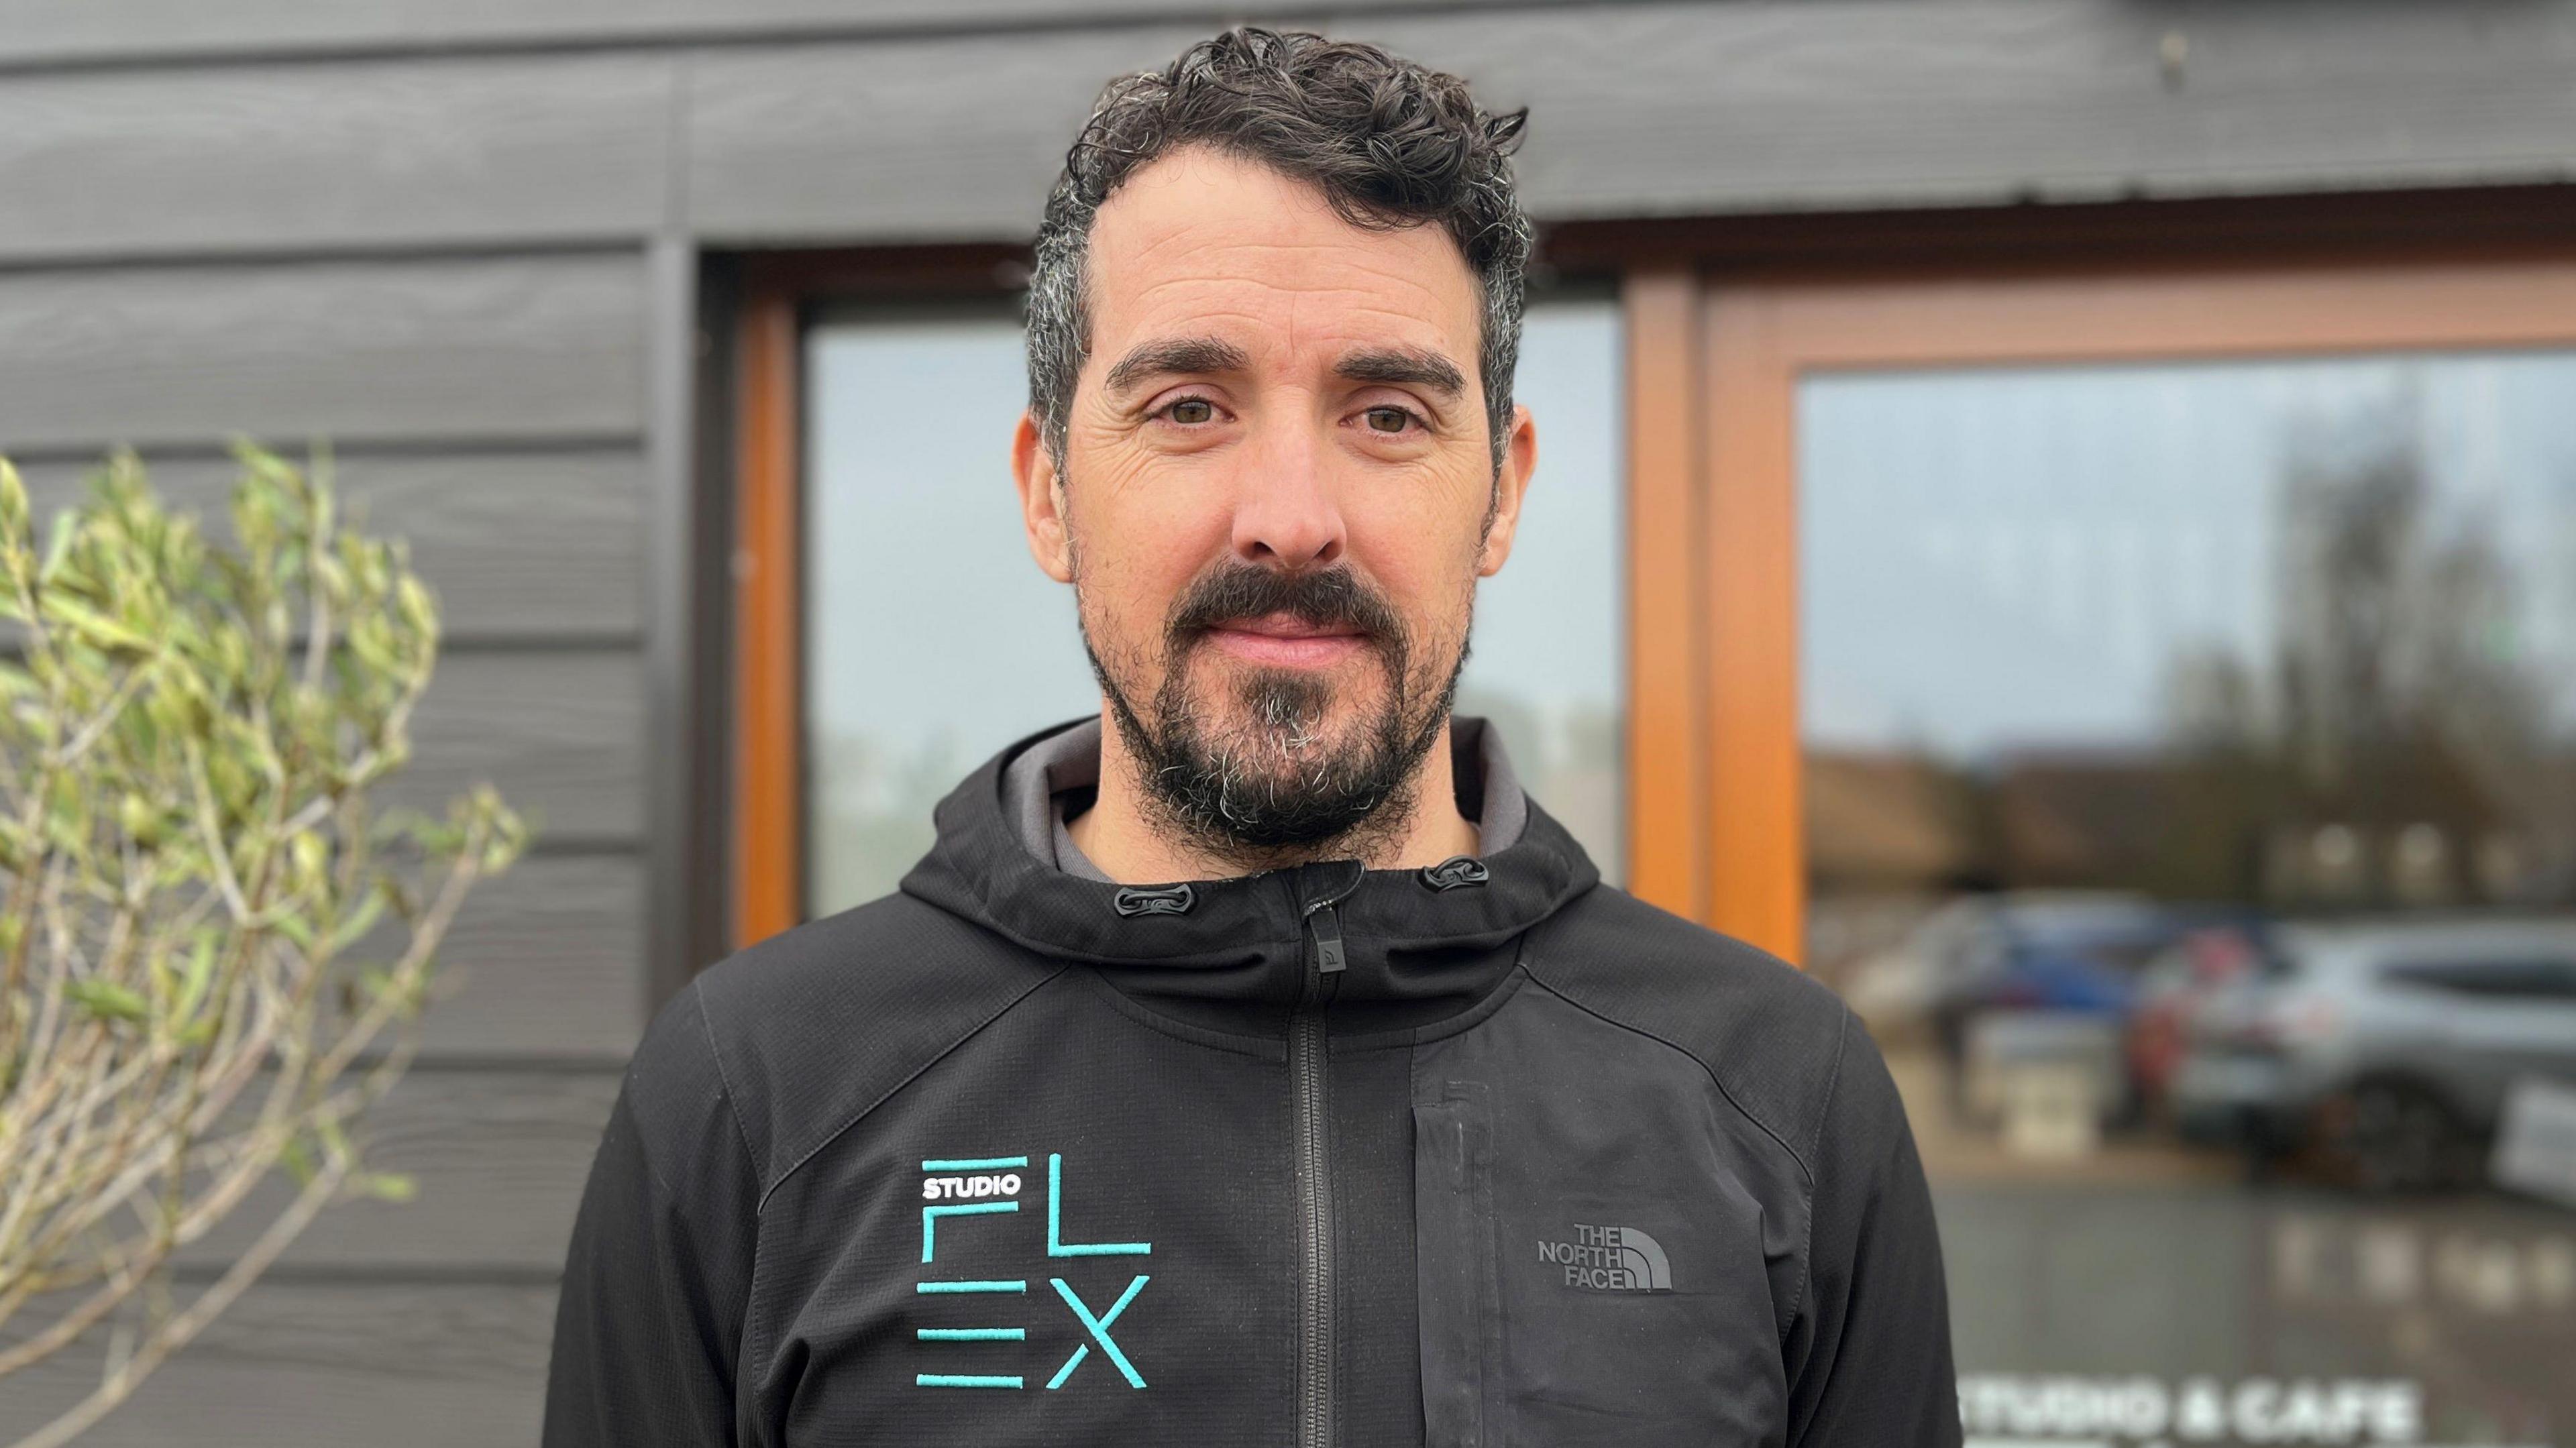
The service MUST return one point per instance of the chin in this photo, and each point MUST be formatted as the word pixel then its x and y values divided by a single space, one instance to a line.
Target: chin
pixel 1280 705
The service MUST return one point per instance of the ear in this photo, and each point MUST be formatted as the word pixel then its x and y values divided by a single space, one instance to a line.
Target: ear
pixel 1520 459
pixel 1041 500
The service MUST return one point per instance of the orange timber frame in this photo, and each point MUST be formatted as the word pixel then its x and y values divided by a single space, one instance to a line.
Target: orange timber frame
pixel 1721 323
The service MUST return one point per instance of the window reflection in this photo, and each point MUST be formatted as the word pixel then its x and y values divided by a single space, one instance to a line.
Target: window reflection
pixel 2191 801
pixel 1549 641
pixel 931 639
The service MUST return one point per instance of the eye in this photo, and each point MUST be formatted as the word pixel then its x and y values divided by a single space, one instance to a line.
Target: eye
pixel 1191 411
pixel 1388 419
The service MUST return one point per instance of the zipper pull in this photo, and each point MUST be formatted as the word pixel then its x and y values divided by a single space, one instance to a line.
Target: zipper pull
pixel 1327 925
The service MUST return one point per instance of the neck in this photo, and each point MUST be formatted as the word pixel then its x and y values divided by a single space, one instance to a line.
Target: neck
pixel 1125 836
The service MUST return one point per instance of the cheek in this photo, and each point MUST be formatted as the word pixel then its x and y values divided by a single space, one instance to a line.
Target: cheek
pixel 1134 550
pixel 1422 551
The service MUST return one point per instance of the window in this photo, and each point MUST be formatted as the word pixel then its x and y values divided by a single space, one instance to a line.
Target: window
pixel 930 639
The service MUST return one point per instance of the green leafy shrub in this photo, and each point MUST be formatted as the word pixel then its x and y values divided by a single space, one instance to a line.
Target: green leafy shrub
pixel 214 948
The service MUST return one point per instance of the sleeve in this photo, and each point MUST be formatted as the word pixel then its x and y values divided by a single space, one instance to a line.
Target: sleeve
pixel 1869 1352
pixel 648 1329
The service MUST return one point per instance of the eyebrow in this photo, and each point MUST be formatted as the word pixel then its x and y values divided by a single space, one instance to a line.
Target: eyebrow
pixel 1183 355
pixel 1404 366
pixel 1176 354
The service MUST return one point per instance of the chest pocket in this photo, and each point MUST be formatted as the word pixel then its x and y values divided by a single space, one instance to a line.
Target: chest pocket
pixel 1585 1276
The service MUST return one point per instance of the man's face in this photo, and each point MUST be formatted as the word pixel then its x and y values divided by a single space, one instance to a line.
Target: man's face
pixel 1276 495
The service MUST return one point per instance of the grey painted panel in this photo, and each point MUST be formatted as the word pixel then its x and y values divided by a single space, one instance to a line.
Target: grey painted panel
pixel 561 734
pixel 547 960
pixel 36 31
pixel 901 141
pixel 1728 108
pixel 310 156
pixel 386 1364
pixel 528 347
pixel 499 1159
pixel 515 544
pixel 1676 109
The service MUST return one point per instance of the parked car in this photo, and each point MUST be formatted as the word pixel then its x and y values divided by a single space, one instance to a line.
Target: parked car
pixel 2053 949
pixel 2386 1046
pixel 2070 955
pixel 2172 989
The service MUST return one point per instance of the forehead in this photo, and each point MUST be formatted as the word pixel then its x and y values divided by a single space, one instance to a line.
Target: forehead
pixel 1200 242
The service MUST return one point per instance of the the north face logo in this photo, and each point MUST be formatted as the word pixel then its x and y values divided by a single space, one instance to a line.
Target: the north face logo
pixel 1610 1259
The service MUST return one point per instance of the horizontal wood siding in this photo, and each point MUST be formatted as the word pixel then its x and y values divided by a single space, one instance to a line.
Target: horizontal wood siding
pixel 520 545
pixel 545 963
pixel 1658 110
pixel 773 135
pixel 487 406
pixel 908 121
pixel 398 1361
pixel 61 32
pixel 136 163
pixel 469 1139
pixel 560 731
pixel 515 348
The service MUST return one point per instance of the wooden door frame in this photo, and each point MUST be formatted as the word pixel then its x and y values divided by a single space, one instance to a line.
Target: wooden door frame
pixel 1761 335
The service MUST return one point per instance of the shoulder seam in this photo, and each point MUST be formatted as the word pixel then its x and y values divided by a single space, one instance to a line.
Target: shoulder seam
pixel 933 1059
pixel 733 1103
pixel 1807 1247
pixel 1552 988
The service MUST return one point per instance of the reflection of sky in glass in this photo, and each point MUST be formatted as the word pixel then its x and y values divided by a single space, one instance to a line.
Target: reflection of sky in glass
pixel 932 639
pixel 2017 569
pixel 1549 642
pixel 1993 559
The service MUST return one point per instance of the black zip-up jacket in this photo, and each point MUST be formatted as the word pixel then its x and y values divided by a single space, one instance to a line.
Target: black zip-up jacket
pixel 1488 1153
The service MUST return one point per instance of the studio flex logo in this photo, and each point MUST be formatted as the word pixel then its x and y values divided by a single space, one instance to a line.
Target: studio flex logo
pixel 1610 1259
pixel 989 1186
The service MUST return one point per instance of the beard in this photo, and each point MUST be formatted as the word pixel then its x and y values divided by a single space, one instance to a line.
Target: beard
pixel 1258 776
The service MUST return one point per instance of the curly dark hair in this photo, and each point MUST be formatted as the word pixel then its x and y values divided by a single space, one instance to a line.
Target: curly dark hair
pixel 1390 143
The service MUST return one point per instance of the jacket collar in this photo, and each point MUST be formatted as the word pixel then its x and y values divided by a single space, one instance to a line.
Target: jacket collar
pixel 1418 943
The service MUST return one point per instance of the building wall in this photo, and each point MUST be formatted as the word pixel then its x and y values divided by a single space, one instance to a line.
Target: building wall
pixel 460 240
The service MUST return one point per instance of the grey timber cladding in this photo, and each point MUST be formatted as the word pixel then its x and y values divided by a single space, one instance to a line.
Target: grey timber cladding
pixel 470 1138
pixel 438 268
pixel 416 1360
pixel 58 32
pixel 520 544
pixel 389 152
pixel 520 347
pixel 1643 110
pixel 907 121
pixel 559 730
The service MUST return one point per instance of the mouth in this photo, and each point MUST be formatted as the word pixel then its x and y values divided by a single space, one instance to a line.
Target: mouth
pixel 1282 640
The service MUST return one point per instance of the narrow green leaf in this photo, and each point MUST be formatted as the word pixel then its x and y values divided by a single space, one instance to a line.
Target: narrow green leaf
pixel 107 999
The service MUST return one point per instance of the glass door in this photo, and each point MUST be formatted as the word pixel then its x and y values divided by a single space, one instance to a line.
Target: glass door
pixel 2185 726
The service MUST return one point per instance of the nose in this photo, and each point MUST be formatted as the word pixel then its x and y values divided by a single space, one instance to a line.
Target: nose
pixel 1285 513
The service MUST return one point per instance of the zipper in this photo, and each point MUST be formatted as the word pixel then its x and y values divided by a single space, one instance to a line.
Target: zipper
pixel 1316 1399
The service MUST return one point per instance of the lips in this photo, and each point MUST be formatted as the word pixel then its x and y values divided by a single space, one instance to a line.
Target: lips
pixel 1282 639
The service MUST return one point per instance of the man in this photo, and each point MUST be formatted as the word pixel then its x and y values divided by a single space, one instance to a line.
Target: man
pixel 1256 1063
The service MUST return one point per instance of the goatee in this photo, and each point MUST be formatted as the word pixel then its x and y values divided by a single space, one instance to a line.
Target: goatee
pixel 1266 791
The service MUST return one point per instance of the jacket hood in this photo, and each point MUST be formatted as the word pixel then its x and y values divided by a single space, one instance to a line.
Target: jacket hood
pixel 1417 944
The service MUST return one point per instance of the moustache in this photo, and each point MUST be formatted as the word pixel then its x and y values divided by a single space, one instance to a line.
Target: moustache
pixel 1334 598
